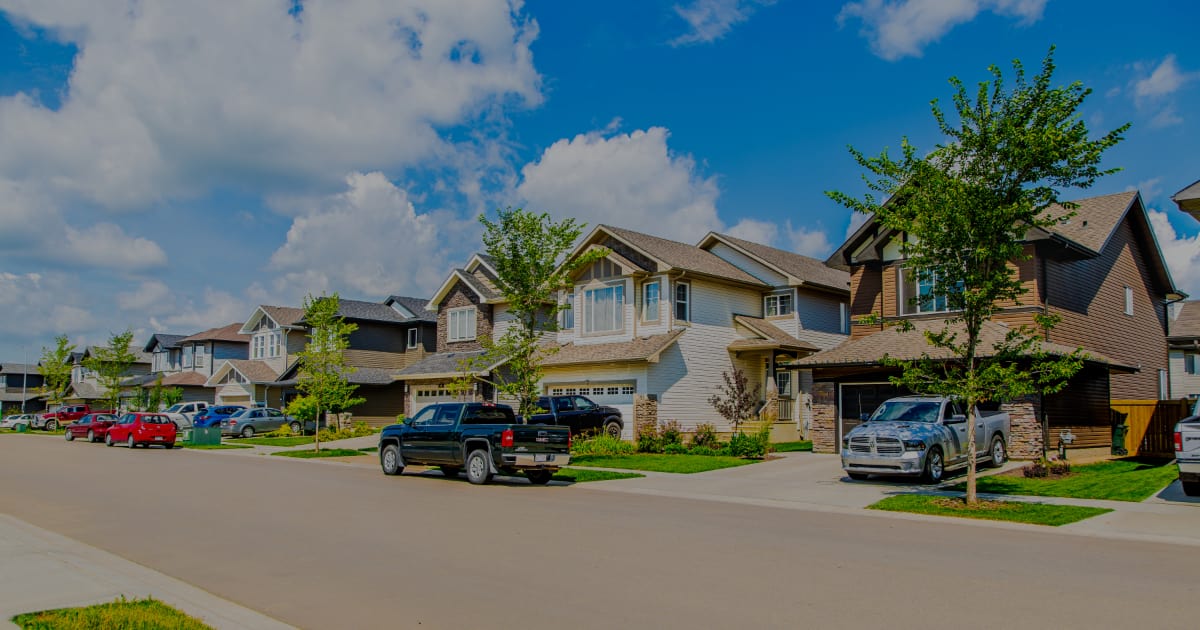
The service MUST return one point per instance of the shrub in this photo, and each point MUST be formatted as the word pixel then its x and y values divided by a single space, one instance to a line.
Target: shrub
pixel 675 449
pixel 706 437
pixel 1046 468
pixel 658 439
pixel 671 434
pixel 649 443
pixel 601 445
pixel 359 429
pixel 702 450
pixel 749 445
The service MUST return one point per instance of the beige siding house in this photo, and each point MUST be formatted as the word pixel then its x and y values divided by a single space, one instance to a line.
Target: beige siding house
pixel 1183 337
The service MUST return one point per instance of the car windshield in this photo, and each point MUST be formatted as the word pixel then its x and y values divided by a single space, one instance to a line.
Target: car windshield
pixel 174 408
pixel 906 411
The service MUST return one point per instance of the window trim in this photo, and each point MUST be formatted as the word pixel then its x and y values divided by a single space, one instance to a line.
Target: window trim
pixel 459 313
pixel 1129 301
pixel 686 302
pixel 657 284
pixel 905 301
pixel 778 299
pixel 414 338
pixel 844 318
pixel 566 316
pixel 618 289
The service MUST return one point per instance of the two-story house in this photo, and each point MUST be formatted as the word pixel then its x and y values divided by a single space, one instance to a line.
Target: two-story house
pixel 195 358
pixel 1101 272
pixel 85 383
pixel 663 320
pixel 1183 336
pixel 19 389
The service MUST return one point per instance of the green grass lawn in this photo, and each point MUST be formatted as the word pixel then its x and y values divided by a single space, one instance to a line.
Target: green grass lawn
pixel 325 452
pixel 370 449
pixel 1129 479
pixel 804 446
pixel 582 475
pixel 280 441
pixel 212 447
pixel 118 615
pixel 685 464
pixel 1014 511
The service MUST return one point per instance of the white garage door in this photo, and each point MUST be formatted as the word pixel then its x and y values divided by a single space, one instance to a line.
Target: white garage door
pixel 425 396
pixel 617 394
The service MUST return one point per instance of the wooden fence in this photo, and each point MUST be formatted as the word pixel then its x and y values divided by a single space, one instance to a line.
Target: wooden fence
pixel 1151 424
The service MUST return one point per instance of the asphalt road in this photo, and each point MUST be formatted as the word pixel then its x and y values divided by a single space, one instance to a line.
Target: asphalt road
pixel 326 546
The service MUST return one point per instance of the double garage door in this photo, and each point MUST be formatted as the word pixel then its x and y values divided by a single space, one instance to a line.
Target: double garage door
pixel 616 394
pixel 431 395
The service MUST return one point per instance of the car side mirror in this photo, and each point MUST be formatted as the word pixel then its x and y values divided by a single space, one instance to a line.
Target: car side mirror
pixel 957 418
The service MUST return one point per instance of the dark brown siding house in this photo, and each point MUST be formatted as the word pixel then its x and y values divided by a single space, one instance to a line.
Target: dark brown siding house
pixel 1102 272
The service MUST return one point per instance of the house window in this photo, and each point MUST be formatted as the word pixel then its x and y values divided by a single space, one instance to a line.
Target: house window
pixel 1191 363
pixel 1163 385
pixel 274 343
pixel 783 382
pixel 844 318
pixel 683 302
pixel 627 390
pixel 921 293
pixel 650 300
pixel 187 356
pixel 778 304
pixel 412 338
pixel 604 309
pixel 567 315
pixel 1129 300
pixel 201 354
pixel 461 322
pixel 260 346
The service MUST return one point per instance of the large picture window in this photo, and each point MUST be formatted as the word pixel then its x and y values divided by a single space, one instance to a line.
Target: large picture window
pixel 921 293
pixel 461 322
pixel 778 304
pixel 650 301
pixel 604 309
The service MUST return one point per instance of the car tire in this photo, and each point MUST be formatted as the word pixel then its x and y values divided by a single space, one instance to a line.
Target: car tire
pixel 295 427
pixel 130 443
pixel 389 460
pixel 247 432
pixel 68 436
pixel 858 476
pixel 935 466
pixel 450 471
pixel 51 425
pixel 91 436
pixel 612 429
pixel 108 441
pixel 998 452
pixel 169 445
pixel 479 470
pixel 539 477
pixel 1191 488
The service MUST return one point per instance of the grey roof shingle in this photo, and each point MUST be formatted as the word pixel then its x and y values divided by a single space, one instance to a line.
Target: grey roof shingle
pixel 683 256
pixel 415 306
pixel 1095 219
pixel 369 311
pixel 285 315
pixel 223 333
pixel 19 368
pixel 163 341
pixel 808 270
pixel 773 336
pixel 438 364
pixel 1187 323
pixel 639 349
pixel 254 370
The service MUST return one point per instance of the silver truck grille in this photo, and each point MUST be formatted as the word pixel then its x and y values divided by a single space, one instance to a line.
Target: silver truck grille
pixel 888 446
pixel 860 444
pixel 880 446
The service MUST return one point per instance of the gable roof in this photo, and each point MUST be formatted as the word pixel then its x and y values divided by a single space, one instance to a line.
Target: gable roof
pixel 668 255
pixel 800 269
pixel 441 365
pixel 255 371
pixel 228 332
pixel 416 307
pixel 638 349
pixel 478 275
pixel 1186 324
pixel 19 368
pixel 770 337
pixel 369 311
pixel 1188 199
pixel 284 316
pixel 162 340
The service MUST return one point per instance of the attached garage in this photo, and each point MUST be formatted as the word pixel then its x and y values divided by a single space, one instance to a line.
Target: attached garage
pixel 855 399
pixel 425 395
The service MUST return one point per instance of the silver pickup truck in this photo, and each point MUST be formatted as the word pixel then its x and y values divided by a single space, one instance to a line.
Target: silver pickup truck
pixel 1187 452
pixel 922 436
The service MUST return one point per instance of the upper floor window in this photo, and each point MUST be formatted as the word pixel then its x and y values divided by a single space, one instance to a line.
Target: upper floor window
pixel 650 301
pixel 187 356
pixel 683 302
pixel 778 304
pixel 567 315
pixel 413 338
pixel 460 323
pixel 275 344
pixel 604 309
pixel 1129 300
pixel 1191 363
pixel 921 293
pixel 259 347
pixel 844 317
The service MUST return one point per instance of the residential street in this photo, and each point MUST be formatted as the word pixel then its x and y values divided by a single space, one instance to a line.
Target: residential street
pixel 324 545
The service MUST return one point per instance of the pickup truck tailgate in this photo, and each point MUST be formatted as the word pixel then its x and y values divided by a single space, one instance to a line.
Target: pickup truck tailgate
pixel 1187 440
pixel 533 438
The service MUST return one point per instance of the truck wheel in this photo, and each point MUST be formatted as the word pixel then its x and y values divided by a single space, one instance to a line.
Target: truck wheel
pixel 612 429
pixel 91 436
pixel 858 476
pixel 1191 488
pixel 539 476
pixel 51 425
pixel 935 466
pixel 248 432
pixel 478 469
pixel 999 453
pixel 68 436
pixel 389 460
pixel 450 471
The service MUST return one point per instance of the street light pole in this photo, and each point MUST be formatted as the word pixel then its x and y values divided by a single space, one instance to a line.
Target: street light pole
pixel 24 373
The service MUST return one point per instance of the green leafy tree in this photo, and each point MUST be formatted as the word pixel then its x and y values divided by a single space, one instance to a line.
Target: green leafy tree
pixel 737 400
pixel 323 374
pixel 526 250
pixel 157 397
pixel 55 367
pixel 966 207
pixel 111 364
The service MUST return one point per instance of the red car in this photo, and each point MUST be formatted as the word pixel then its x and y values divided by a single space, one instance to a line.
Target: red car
pixel 93 426
pixel 142 428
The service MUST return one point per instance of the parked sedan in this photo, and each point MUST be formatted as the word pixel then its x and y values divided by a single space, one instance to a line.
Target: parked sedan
pixel 142 429
pixel 17 418
pixel 93 426
pixel 215 416
pixel 247 422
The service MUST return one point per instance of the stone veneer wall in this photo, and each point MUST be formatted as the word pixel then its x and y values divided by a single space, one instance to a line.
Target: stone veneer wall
pixel 645 414
pixel 1025 432
pixel 824 418
pixel 460 296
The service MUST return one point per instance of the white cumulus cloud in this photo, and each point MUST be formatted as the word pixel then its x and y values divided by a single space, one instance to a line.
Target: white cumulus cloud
pixel 1182 253
pixel 151 296
pixel 710 20
pixel 107 245
pixel 1154 91
pixel 902 28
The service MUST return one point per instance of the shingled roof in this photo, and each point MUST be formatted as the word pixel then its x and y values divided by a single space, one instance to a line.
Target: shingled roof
pixel 1186 324
pixel 1095 219
pixel 163 341
pixel 417 306
pixel 185 379
pixel 772 337
pixel 911 345
pixel 254 370
pixel 638 349
pixel 224 333
pixel 681 255
pixel 285 315
pixel 1188 199
pixel 802 268
pixel 444 364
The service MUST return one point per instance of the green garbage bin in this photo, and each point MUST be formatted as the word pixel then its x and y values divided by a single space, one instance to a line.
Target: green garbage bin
pixel 1118 439
pixel 20 428
pixel 206 436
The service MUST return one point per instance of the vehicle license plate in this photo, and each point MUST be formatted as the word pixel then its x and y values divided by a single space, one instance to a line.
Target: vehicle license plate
pixel 158 437
pixel 543 458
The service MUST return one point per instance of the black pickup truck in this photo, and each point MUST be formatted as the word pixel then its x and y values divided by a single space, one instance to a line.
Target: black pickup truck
pixel 483 438
pixel 579 414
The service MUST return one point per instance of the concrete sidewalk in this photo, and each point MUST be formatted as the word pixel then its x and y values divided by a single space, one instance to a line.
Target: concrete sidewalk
pixel 807 481
pixel 43 571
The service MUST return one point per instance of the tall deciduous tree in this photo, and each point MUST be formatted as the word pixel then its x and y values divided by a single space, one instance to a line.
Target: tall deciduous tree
pixel 111 364
pixel 526 251
pixel 55 367
pixel 323 373
pixel 967 206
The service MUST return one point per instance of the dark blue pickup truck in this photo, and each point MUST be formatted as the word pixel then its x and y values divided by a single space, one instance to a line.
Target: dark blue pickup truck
pixel 482 438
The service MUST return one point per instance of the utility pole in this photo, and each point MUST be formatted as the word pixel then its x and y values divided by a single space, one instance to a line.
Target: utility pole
pixel 24 374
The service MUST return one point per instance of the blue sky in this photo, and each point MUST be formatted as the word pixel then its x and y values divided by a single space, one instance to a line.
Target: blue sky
pixel 167 166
